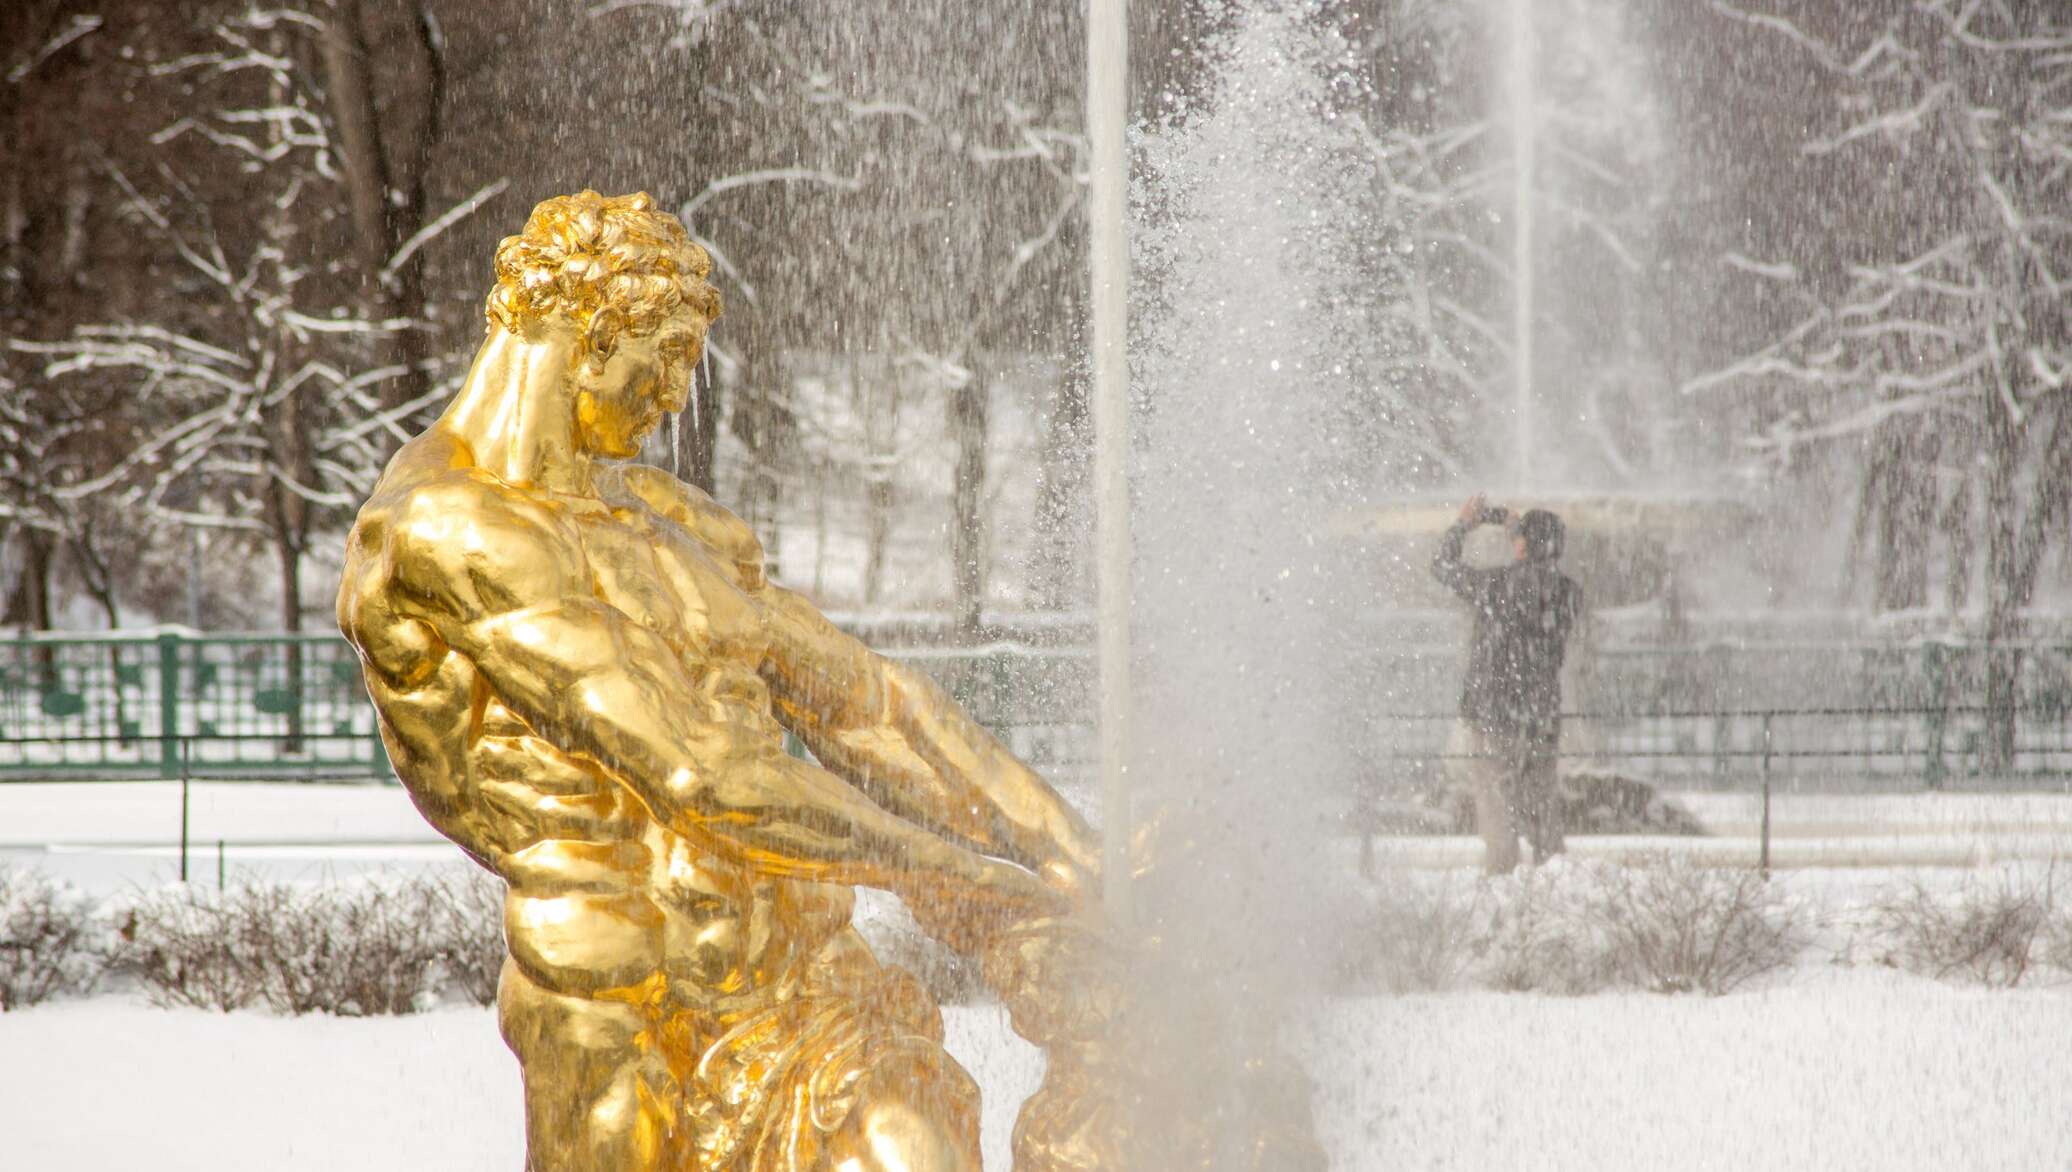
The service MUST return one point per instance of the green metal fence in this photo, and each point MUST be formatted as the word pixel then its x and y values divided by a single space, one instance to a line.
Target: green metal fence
pixel 295 706
pixel 1725 715
pixel 165 705
pixel 278 705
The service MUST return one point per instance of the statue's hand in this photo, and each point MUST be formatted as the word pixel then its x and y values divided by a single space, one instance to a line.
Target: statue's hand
pixel 1079 886
pixel 968 916
pixel 1060 979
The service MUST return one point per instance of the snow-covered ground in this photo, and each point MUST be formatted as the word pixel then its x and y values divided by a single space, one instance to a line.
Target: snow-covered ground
pixel 1850 1069
pixel 1830 1066
pixel 107 836
pixel 109 1083
pixel 1841 1069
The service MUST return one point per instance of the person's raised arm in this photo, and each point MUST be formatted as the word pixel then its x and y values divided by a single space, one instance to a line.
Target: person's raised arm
pixel 497 580
pixel 895 733
pixel 1469 582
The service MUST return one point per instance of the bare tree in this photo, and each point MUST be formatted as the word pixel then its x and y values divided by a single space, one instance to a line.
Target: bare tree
pixel 1451 184
pixel 953 198
pixel 1946 353
pixel 272 422
pixel 51 248
pixel 263 401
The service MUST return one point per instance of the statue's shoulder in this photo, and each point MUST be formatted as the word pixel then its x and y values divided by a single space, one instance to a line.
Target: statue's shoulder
pixel 442 527
pixel 432 485
pixel 711 523
pixel 422 471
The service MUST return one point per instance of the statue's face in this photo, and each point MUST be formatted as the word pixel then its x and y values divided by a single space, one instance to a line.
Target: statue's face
pixel 620 404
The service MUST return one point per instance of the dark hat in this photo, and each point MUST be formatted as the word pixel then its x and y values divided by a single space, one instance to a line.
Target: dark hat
pixel 1544 535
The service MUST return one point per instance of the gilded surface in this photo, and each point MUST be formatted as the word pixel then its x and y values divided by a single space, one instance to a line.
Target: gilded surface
pixel 584 681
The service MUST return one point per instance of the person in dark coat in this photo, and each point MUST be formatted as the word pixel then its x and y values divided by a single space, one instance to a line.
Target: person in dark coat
pixel 1505 743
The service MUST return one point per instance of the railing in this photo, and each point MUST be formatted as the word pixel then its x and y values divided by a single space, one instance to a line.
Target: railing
pixel 1824 713
pixel 272 705
pixel 280 706
pixel 1862 748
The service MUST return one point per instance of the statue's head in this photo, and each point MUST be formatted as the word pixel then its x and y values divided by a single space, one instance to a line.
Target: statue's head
pixel 627 285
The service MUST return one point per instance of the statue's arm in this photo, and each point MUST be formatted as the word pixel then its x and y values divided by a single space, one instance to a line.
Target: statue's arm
pixel 500 588
pixel 898 736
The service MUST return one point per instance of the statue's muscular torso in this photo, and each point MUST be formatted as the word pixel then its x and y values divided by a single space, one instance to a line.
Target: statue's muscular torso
pixel 602 897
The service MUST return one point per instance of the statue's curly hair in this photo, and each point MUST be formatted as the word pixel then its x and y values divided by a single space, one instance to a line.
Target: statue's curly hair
pixel 613 265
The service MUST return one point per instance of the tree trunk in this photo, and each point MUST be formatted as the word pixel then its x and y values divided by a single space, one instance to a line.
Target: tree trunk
pixel 289 518
pixel 407 296
pixel 385 207
pixel 291 586
pixel 2015 549
pixel 1899 506
pixel 94 573
pixel 2003 696
pixel 877 499
pixel 820 481
pixel 29 607
pixel 291 623
pixel 2004 439
pixel 879 393
pixel 349 78
pixel 968 419
pixel 1059 573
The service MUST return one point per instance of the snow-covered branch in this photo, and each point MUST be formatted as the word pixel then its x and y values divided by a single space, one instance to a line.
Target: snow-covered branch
pixel 1821 51
pixel 768 175
pixel 79 26
pixel 448 219
pixel 693 17
pixel 1891 123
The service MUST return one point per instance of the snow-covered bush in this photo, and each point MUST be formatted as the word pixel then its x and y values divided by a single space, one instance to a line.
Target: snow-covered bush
pixel 181 945
pixel 1540 934
pixel 1662 923
pixel 468 931
pixel 1990 930
pixel 1415 937
pixel 51 941
pixel 1673 925
pixel 1530 930
pixel 2057 938
pixel 354 949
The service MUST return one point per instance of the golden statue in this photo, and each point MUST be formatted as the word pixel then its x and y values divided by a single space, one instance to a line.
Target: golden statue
pixel 584 680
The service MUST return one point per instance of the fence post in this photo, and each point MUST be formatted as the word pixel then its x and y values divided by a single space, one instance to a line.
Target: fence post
pixel 1934 769
pixel 185 750
pixel 169 706
pixel 1765 859
pixel 1719 661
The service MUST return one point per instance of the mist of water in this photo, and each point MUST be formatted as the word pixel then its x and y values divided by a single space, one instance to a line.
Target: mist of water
pixel 1248 220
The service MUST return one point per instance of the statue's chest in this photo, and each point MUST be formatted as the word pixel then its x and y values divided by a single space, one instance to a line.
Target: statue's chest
pixel 660 577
